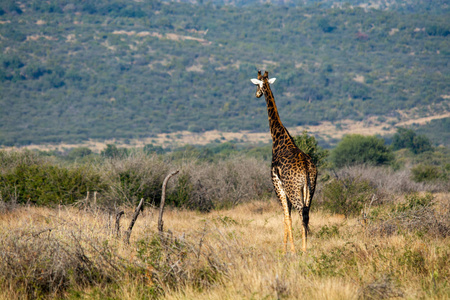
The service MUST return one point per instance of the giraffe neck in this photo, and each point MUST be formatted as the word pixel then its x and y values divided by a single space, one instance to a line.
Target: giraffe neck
pixel 280 135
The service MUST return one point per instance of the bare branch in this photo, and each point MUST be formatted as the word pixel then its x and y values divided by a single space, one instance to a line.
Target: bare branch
pixel 163 200
pixel 133 220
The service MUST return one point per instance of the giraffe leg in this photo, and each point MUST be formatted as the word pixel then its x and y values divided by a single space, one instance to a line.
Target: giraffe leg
pixel 288 231
pixel 304 237
pixel 286 234
pixel 286 210
pixel 291 236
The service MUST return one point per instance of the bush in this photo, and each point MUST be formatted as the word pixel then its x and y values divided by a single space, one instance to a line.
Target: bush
pixel 407 138
pixel 46 184
pixel 79 152
pixel 224 183
pixel 308 144
pixel 347 195
pixel 423 173
pixel 133 177
pixel 43 263
pixel 356 149
pixel 414 201
pixel 111 151
pixel 415 215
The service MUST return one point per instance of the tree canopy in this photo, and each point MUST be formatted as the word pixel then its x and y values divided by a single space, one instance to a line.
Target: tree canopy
pixel 356 149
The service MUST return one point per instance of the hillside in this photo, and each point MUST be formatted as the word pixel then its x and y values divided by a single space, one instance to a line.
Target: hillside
pixel 72 71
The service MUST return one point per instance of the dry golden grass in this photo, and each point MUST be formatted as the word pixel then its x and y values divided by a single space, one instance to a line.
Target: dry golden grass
pixel 226 254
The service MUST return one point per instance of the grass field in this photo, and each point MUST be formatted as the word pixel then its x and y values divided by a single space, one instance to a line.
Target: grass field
pixel 402 251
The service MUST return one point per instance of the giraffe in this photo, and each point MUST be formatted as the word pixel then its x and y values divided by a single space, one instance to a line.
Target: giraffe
pixel 293 172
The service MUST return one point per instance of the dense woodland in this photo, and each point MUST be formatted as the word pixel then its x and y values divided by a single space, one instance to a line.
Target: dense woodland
pixel 72 70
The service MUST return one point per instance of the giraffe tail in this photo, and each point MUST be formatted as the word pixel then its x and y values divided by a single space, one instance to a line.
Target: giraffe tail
pixel 306 204
pixel 305 217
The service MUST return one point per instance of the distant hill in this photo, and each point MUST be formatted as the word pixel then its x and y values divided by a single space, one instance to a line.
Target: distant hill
pixel 77 70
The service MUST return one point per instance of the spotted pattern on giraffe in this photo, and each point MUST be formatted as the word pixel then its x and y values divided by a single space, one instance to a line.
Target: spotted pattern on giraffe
pixel 294 175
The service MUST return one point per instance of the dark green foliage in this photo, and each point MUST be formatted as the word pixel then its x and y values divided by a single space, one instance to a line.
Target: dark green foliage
pixel 407 138
pixel 347 195
pixel 309 145
pixel 45 184
pixel 356 149
pixel 437 130
pixel 424 172
pixel 438 30
pixel 111 151
pixel 182 193
pixel 49 178
pixel 135 186
pixel 325 25
pixel 64 78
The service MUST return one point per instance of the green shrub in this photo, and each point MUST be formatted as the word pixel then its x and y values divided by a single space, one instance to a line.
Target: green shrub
pixel 46 184
pixel 356 149
pixel 309 145
pixel 413 260
pixel 422 173
pixel 415 201
pixel 407 138
pixel 347 195
pixel 111 151
pixel 182 192
pixel 328 232
pixel 79 152
pixel 133 177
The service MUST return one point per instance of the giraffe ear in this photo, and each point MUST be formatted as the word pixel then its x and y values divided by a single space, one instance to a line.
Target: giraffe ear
pixel 272 80
pixel 256 81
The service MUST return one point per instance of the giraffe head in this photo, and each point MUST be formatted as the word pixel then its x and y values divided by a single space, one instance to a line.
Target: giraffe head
pixel 262 83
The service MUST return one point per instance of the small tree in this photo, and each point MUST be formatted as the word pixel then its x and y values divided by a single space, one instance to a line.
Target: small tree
pixel 309 145
pixel 356 149
pixel 407 138
pixel 111 151
pixel 79 152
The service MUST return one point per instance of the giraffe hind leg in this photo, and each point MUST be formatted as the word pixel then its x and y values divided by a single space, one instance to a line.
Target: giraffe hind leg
pixel 287 212
pixel 304 212
pixel 288 236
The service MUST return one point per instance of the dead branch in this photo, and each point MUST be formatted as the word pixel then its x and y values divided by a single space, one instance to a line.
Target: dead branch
pixel 163 200
pixel 133 220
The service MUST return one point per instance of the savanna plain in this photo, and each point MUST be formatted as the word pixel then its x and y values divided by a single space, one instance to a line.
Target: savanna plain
pixel 398 247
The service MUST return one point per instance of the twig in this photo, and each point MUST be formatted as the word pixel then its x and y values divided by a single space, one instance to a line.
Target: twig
pixel 133 220
pixel 163 199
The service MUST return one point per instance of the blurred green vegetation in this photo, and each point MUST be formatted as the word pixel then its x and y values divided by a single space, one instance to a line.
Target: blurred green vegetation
pixel 408 139
pixel 72 71
pixel 355 149
pixel 309 145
